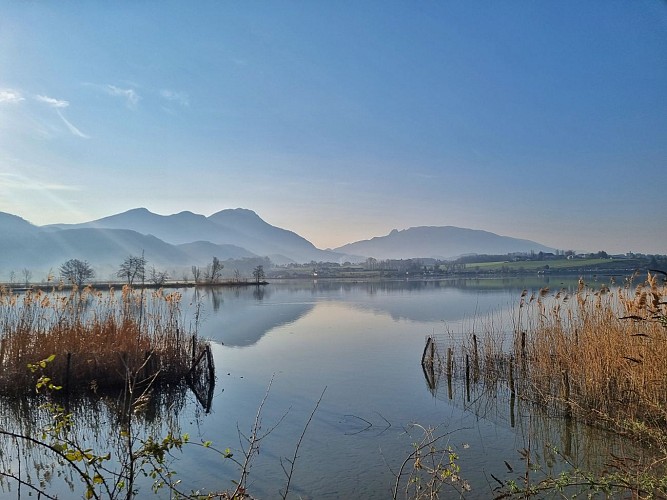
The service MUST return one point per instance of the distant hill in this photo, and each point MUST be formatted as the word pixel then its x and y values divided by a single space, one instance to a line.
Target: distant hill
pixel 177 242
pixel 239 227
pixel 442 242
pixel 203 250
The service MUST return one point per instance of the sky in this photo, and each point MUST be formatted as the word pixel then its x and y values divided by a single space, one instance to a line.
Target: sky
pixel 343 120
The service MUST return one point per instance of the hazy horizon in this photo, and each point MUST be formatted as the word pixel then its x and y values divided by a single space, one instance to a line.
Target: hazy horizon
pixel 343 121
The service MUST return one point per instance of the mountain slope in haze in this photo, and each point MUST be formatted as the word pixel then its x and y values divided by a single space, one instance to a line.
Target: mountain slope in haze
pixel 203 250
pixel 104 249
pixel 44 250
pixel 239 227
pixel 13 226
pixel 443 242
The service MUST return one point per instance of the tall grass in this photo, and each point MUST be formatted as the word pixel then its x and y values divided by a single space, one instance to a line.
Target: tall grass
pixel 599 354
pixel 99 339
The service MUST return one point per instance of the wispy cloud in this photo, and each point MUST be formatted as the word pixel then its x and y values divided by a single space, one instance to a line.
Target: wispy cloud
pixel 59 105
pixel 75 131
pixel 181 98
pixel 130 95
pixel 9 96
pixel 54 103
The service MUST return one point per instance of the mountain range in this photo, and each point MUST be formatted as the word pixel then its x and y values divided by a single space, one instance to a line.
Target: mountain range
pixel 184 239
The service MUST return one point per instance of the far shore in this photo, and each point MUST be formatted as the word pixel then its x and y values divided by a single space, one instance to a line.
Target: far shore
pixel 106 285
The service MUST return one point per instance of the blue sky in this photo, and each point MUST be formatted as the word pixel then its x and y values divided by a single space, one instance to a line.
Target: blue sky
pixel 343 120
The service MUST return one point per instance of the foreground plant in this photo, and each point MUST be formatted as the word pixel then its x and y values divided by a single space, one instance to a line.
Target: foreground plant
pixel 132 458
pixel 431 469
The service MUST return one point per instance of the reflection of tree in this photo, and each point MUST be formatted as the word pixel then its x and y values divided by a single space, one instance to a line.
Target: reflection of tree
pixel 216 297
pixel 258 293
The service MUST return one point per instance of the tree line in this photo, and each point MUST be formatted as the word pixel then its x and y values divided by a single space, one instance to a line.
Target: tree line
pixel 134 270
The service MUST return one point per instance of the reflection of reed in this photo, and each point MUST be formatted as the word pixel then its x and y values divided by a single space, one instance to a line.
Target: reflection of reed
pixel 571 362
pixel 557 440
pixel 97 423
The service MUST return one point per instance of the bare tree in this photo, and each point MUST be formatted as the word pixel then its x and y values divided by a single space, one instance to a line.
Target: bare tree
pixel 213 271
pixel 27 276
pixel 76 271
pixel 237 276
pixel 133 267
pixel 196 273
pixel 258 273
pixel 12 277
pixel 158 277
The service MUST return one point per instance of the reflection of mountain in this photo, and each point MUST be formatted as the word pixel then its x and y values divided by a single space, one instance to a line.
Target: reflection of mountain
pixel 241 317
pixel 427 301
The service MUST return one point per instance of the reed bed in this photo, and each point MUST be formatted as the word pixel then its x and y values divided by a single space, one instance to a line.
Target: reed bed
pixel 599 354
pixel 596 353
pixel 100 340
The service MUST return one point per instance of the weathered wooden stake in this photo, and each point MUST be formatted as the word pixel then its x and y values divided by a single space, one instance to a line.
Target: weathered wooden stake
pixel 566 393
pixel 523 345
pixel 449 362
pixel 511 376
pixel 67 371
pixel 523 354
pixel 475 359
pixel 468 377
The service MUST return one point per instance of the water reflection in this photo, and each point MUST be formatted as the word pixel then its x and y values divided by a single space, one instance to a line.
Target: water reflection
pixel 241 316
pixel 552 441
pixel 363 341
pixel 113 424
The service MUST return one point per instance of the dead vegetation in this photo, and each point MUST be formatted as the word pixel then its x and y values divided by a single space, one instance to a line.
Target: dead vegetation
pixel 98 338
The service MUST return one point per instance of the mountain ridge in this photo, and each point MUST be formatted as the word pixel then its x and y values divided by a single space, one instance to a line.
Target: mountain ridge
pixel 185 239
pixel 441 242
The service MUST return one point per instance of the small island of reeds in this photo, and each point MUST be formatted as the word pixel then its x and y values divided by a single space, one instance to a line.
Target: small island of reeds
pixel 95 340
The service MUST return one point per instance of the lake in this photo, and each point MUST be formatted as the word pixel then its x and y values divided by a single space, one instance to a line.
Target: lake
pixel 358 346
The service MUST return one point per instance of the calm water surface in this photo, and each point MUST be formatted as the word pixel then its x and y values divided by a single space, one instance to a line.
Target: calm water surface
pixel 360 343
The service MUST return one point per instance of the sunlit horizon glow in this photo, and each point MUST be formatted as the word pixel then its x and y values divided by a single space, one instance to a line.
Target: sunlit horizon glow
pixel 343 121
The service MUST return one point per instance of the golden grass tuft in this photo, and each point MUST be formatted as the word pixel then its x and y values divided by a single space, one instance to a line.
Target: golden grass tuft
pixel 600 356
pixel 99 339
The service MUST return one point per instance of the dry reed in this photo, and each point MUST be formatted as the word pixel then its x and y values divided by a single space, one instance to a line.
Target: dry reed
pixel 599 354
pixel 100 340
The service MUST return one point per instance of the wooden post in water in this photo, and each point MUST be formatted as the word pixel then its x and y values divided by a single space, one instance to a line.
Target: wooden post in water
pixel 432 350
pixel 523 354
pixel 510 382
pixel 67 371
pixel 194 349
pixel 566 393
pixel 449 362
pixel 523 345
pixel 449 372
pixel 468 377
pixel 475 359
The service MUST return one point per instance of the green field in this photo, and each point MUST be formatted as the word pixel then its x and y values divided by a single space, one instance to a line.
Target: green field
pixel 553 265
